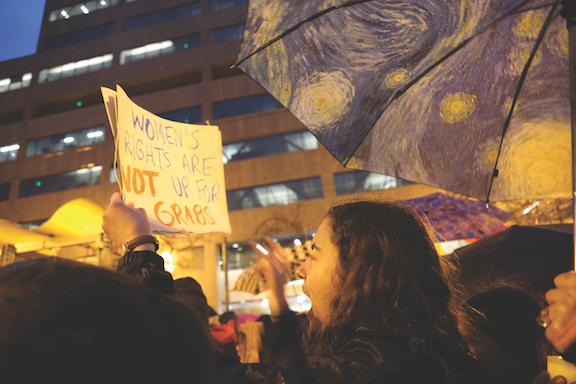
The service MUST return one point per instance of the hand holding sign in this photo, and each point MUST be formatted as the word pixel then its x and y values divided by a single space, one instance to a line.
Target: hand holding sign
pixel 173 170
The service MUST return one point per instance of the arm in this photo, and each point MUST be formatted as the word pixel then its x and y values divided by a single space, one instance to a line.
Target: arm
pixel 562 314
pixel 123 222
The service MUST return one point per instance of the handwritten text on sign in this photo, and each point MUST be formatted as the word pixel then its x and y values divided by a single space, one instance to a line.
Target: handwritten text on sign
pixel 173 170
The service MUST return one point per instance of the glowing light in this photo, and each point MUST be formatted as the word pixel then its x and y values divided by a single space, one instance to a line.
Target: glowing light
pixel 262 249
pixel 235 245
pixel 38 183
pixel 265 303
pixel 68 140
pixel 102 2
pixel 84 9
pixel 9 148
pixel 78 103
pixel 527 210
pixel 297 242
pixel 94 134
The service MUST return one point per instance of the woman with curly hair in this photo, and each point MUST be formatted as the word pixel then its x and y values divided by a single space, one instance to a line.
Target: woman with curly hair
pixel 384 305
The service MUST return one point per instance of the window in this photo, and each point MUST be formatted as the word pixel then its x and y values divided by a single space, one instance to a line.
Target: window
pixel 163 16
pixel 270 145
pixel 358 181
pixel 77 68
pixel 83 8
pixel 275 194
pixel 9 152
pixel 244 105
pixel 15 82
pixel 79 36
pixel 161 48
pixel 32 224
pixel 186 115
pixel 64 141
pixel 84 177
pixel 5 191
pixel 225 34
pixel 217 5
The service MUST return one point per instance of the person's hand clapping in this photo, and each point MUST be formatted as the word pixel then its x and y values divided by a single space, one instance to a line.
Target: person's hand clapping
pixel 123 222
pixel 272 266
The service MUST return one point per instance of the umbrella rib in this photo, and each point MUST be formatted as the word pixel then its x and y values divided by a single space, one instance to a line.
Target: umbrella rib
pixel 296 26
pixel 519 89
pixel 400 92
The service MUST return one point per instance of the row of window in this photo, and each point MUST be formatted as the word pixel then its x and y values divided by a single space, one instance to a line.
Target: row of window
pixel 15 82
pixel 307 189
pixel 86 7
pixel 55 143
pixel 79 36
pixel 270 145
pixel 160 48
pixel 163 16
pixel 82 8
pixel 126 56
pixel 288 192
pixel 264 146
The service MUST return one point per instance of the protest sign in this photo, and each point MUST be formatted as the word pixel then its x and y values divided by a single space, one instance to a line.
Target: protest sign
pixel 173 170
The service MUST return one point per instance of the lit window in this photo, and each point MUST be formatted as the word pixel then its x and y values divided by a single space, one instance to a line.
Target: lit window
pixel 15 82
pixel 64 141
pixel 82 8
pixel 76 68
pixel 163 16
pixel 186 115
pixel 275 194
pixel 225 34
pixel 217 5
pixel 9 152
pixel 244 105
pixel 161 48
pixel 84 177
pixel 270 145
pixel 358 181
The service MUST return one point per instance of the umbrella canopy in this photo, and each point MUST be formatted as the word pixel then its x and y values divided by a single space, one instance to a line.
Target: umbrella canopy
pixel 468 96
pixel 529 257
pixel 453 218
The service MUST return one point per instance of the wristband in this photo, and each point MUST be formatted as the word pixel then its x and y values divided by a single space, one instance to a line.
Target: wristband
pixel 130 245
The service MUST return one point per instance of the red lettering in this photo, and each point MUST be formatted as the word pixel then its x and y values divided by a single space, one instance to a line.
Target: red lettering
pixel 157 214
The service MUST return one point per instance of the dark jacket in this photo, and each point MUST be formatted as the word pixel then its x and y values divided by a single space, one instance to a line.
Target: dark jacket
pixel 368 356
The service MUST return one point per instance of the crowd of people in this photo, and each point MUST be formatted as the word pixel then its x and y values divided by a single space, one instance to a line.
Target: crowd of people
pixel 386 308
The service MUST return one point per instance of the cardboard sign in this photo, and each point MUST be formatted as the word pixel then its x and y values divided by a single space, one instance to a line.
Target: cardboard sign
pixel 172 170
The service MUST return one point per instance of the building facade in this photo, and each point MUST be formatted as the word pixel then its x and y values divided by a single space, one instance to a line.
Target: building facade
pixel 173 58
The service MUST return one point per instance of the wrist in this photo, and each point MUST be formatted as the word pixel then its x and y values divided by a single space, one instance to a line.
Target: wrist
pixel 141 243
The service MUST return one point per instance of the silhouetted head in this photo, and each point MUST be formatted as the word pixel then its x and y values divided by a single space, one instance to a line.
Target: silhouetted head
pixel 66 322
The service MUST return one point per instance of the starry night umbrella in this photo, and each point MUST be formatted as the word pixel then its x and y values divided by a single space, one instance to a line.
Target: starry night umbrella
pixel 453 218
pixel 470 96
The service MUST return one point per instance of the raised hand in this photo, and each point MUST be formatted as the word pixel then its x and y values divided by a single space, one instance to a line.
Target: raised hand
pixel 272 266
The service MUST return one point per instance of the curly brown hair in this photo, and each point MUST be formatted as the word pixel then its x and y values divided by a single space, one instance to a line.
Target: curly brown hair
pixel 393 278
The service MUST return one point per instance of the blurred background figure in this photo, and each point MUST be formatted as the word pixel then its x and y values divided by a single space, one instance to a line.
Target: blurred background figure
pixel 66 322
pixel 501 331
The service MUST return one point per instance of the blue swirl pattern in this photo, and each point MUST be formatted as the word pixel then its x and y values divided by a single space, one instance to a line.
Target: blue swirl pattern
pixel 421 89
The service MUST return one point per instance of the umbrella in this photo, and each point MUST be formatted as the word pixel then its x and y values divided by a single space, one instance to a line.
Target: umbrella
pixel 468 96
pixel 454 218
pixel 528 257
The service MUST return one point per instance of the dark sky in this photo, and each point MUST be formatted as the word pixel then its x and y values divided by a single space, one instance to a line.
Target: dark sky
pixel 19 27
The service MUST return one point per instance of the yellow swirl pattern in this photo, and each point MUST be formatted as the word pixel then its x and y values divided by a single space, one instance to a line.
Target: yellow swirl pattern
pixel 458 107
pixel 530 25
pixel 323 100
pixel 537 161
pixel 397 78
